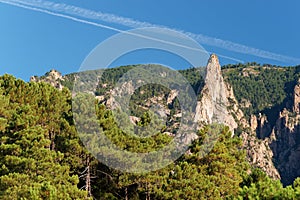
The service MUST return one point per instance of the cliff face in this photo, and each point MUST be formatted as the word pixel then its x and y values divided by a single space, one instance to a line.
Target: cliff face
pixel 257 145
pixel 215 97
pixel 275 148
pixel 219 105
pixel 285 140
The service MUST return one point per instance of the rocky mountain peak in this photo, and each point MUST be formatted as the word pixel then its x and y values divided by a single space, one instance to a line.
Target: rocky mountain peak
pixel 215 95
pixel 213 61
pixel 213 70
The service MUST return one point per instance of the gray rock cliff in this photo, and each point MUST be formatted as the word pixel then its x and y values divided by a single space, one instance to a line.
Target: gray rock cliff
pixel 216 98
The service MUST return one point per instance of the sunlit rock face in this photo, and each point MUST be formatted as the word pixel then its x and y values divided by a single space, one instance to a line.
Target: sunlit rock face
pixel 215 95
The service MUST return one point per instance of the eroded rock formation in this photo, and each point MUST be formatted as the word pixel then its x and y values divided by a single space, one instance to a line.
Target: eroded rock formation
pixel 219 105
pixel 216 98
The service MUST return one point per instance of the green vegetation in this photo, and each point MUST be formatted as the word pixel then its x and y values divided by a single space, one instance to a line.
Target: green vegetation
pixel 35 138
pixel 268 89
pixel 42 156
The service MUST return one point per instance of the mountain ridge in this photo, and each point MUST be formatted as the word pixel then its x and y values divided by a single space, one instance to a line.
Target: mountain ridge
pixel 262 125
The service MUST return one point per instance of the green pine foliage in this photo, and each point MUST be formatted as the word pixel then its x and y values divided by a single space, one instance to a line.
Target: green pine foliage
pixel 32 167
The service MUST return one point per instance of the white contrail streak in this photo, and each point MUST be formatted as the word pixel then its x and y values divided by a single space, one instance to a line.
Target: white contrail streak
pixel 110 18
pixel 114 29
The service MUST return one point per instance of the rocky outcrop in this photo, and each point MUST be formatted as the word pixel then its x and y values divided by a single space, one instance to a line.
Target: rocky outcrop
pixel 276 149
pixel 172 95
pixel 53 77
pixel 296 106
pixel 219 105
pixel 285 144
pixel 216 98
pixel 253 123
pixel 259 153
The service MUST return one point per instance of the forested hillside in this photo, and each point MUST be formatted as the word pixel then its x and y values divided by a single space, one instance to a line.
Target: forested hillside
pixel 262 89
pixel 42 156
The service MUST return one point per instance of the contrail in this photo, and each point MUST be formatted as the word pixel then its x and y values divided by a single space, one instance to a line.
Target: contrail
pixel 128 22
pixel 114 29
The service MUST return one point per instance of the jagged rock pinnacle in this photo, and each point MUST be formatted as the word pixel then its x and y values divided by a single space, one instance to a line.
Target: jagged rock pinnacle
pixel 212 107
pixel 214 78
pixel 214 60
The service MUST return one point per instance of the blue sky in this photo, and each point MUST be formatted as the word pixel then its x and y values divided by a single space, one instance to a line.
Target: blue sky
pixel 32 43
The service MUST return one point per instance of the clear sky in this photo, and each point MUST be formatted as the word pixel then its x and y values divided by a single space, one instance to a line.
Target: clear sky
pixel 32 43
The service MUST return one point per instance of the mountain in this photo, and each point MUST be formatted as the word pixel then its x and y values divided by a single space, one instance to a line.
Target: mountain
pixel 268 95
pixel 247 117
pixel 260 104
pixel 219 105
